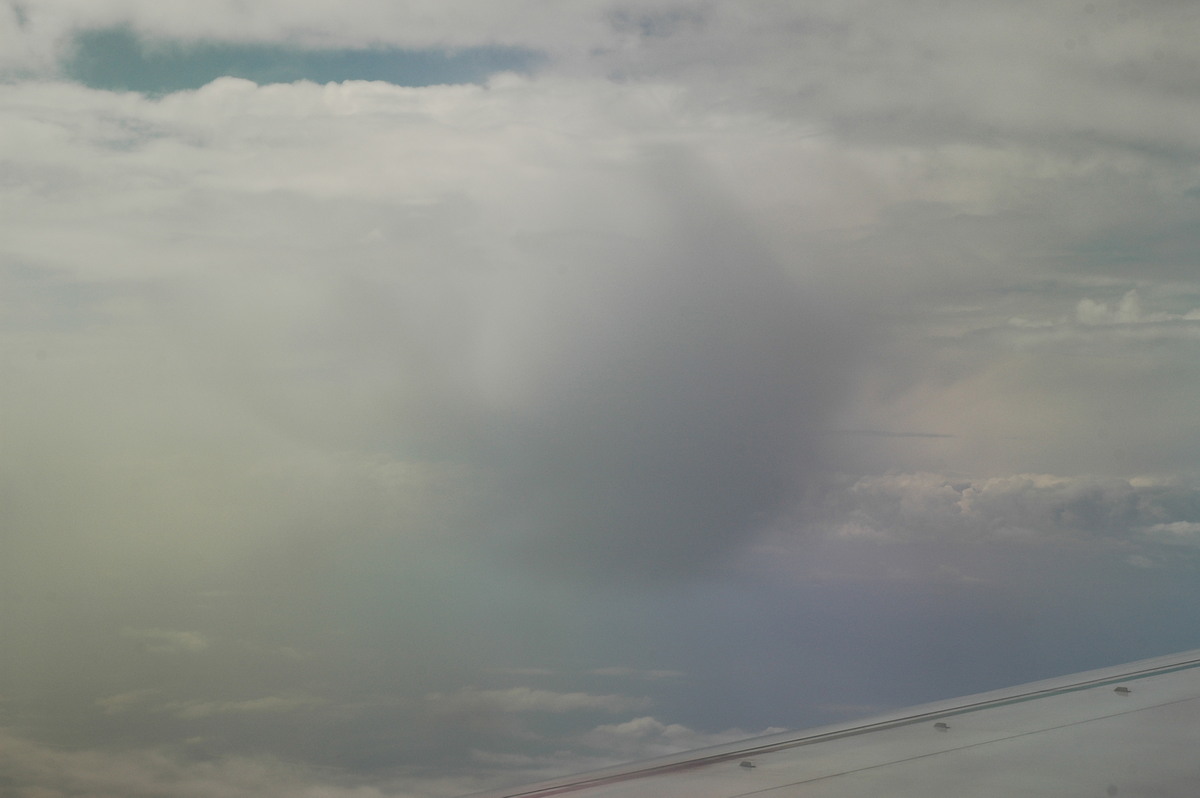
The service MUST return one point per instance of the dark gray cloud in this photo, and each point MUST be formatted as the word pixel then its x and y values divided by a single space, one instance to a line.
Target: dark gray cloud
pixel 679 402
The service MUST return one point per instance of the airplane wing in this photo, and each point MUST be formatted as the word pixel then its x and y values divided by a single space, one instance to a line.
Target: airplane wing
pixel 1132 730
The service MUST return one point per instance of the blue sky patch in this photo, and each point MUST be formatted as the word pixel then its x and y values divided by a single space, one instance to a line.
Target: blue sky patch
pixel 119 59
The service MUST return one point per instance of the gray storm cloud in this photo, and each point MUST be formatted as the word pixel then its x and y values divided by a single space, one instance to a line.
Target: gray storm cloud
pixel 635 394
pixel 673 408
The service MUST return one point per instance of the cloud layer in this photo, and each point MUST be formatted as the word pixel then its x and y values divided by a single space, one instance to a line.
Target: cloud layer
pixel 714 371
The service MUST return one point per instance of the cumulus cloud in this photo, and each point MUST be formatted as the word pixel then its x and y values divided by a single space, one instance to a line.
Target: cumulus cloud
pixel 919 506
pixel 1185 533
pixel 1124 322
pixel 527 699
pixel 1127 311
pixel 1067 76
pixel 646 737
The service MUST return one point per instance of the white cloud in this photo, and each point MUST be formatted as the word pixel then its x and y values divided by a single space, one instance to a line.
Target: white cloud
pixel 646 737
pixel 526 699
pixel 1127 311
pixel 925 506
pixel 866 70
pixel 1186 533
pixel 1109 329
pixel 1123 321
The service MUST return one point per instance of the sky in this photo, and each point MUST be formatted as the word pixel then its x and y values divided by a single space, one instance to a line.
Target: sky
pixel 405 399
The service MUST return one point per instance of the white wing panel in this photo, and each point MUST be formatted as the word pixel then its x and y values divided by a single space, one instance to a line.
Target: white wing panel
pixel 1127 731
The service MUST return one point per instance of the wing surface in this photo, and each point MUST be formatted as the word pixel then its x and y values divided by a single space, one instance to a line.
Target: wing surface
pixel 1132 730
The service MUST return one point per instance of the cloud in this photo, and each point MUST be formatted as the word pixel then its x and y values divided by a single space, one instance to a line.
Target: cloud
pixel 126 702
pixel 43 32
pixel 1127 311
pixel 1124 322
pixel 193 710
pixel 1068 80
pixel 923 506
pixel 660 431
pixel 168 641
pixel 642 390
pixel 39 771
pixel 636 673
pixel 646 737
pixel 524 672
pixel 429 385
pixel 526 699
pixel 150 700
pixel 1184 533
